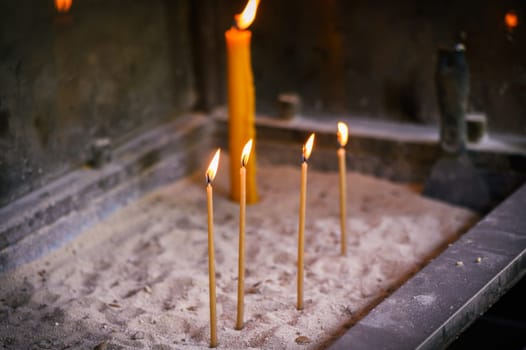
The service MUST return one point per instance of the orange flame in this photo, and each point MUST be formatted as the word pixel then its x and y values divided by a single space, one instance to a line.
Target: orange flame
pixel 63 6
pixel 245 18
pixel 343 134
pixel 212 168
pixel 511 19
pixel 307 147
pixel 245 154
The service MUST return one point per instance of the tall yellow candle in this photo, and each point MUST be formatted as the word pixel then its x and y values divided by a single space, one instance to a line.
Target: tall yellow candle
pixel 307 148
pixel 343 133
pixel 245 155
pixel 210 174
pixel 241 100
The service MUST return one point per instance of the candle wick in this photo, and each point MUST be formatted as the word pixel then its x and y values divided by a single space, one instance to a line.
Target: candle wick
pixel 208 180
pixel 234 23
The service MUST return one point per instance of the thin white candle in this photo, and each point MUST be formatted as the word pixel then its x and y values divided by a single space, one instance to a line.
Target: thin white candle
pixel 307 148
pixel 210 174
pixel 242 218
pixel 343 134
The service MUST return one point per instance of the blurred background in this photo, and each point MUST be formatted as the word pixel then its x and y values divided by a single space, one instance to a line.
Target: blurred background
pixel 74 72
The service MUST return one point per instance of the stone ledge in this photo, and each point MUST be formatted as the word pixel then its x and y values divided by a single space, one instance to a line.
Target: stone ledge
pixel 54 214
pixel 433 307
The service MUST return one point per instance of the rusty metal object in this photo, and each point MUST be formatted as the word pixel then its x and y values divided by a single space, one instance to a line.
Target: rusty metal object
pixel 288 105
pixel 452 84
pixel 100 152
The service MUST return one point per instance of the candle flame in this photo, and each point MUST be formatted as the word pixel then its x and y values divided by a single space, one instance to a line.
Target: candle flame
pixel 246 153
pixel 307 147
pixel 245 18
pixel 343 134
pixel 511 20
pixel 212 168
pixel 63 6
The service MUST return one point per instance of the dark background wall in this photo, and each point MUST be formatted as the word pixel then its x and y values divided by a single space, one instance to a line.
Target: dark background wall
pixel 377 58
pixel 113 68
pixel 108 68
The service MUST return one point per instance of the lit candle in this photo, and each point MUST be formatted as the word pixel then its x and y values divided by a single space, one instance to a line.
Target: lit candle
pixel 242 208
pixel 210 174
pixel 241 101
pixel 343 133
pixel 63 6
pixel 307 148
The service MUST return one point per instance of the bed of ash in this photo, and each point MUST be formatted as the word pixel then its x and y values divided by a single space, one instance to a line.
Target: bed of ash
pixel 139 279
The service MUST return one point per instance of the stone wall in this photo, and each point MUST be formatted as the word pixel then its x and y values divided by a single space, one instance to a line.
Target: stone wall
pixel 106 69
pixel 112 69
pixel 377 59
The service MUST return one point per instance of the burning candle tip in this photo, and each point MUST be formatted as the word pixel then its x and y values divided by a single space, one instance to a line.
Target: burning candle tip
pixel 307 147
pixel 343 134
pixel 245 154
pixel 245 18
pixel 212 168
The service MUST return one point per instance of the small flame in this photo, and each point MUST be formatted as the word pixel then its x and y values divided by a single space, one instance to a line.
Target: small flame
pixel 511 20
pixel 343 134
pixel 245 18
pixel 307 147
pixel 212 168
pixel 63 6
pixel 246 153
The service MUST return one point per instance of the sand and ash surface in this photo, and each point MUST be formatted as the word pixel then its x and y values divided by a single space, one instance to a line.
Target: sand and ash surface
pixel 139 279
